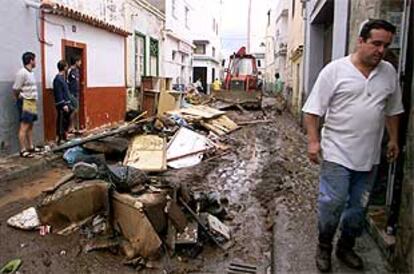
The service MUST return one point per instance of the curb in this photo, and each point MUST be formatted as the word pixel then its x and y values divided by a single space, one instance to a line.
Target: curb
pixel 21 170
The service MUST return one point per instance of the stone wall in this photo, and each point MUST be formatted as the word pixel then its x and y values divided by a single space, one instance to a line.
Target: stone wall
pixel 404 253
pixel 364 9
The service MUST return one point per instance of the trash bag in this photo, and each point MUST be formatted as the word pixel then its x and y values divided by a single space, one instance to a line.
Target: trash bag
pixel 126 177
pixel 72 155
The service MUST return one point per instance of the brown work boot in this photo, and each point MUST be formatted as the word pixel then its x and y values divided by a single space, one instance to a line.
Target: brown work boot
pixel 350 258
pixel 323 258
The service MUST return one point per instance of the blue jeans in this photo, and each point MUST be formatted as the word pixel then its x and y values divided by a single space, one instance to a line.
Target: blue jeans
pixel 343 196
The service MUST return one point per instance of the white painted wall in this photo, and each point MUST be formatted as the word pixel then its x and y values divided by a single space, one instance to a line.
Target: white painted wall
pixel 105 51
pixel 314 44
pixel 208 29
pixel 180 68
pixel 150 24
pixel 108 10
pixel 276 33
pixel 18 35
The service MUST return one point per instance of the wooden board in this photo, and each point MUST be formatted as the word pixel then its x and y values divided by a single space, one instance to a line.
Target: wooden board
pixel 147 153
pixel 203 111
pixel 200 111
pixel 169 100
pixel 221 125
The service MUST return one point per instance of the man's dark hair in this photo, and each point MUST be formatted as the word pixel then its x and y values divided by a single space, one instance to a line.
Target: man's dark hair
pixel 74 59
pixel 365 32
pixel 28 57
pixel 277 75
pixel 61 65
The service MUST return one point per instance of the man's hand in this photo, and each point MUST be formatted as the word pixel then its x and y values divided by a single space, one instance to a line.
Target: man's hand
pixel 314 149
pixel 17 95
pixel 392 151
pixel 66 109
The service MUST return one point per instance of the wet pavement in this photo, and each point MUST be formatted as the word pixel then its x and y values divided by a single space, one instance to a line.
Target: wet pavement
pixel 266 180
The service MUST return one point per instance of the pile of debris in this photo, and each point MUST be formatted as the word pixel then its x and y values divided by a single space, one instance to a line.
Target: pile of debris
pixel 116 197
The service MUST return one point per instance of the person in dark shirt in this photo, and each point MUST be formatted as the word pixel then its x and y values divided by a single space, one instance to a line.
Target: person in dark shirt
pixel 74 89
pixel 62 102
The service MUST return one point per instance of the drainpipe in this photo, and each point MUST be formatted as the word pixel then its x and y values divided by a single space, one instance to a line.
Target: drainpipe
pixel 44 5
pixel 305 58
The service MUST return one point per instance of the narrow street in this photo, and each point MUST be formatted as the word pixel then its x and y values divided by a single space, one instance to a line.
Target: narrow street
pixel 266 184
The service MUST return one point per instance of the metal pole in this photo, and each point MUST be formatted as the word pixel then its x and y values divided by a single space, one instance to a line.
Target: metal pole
pixel 248 25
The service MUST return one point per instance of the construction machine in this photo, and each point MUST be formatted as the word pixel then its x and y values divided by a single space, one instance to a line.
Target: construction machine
pixel 241 83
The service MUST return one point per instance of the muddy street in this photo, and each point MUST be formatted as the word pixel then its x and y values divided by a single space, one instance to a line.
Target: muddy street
pixel 265 182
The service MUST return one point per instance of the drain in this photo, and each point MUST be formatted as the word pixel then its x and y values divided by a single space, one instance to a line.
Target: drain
pixel 237 268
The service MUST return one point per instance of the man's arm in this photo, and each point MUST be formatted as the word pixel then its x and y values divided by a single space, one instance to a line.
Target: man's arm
pixel 392 124
pixel 312 129
pixel 18 84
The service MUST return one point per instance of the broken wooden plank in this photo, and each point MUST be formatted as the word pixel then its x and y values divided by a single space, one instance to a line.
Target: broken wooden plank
pixel 186 143
pixel 242 109
pixel 189 154
pixel 253 122
pixel 147 153
pixel 199 111
pixel 77 142
pixel 221 125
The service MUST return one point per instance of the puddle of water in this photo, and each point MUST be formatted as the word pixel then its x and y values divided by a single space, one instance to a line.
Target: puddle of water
pixel 31 188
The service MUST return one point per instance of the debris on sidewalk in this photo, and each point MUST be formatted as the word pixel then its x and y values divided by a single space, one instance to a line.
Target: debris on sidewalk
pixel 11 267
pixel 100 244
pixel 110 146
pixel 26 220
pixel 186 148
pixel 117 198
pixel 130 220
pixel 61 210
pixel 217 227
pixel 147 153
pixel 85 171
pixel 221 125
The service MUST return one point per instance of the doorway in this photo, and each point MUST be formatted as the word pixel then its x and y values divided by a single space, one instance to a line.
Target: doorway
pixel 71 50
pixel 201 73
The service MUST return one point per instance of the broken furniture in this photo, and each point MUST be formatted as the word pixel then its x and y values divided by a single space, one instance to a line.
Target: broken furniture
pixel 130 220
pixel 62 209
pixel 151 89
pixel 147 153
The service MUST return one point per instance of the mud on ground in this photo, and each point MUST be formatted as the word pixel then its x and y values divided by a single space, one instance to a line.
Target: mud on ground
pixel 265 174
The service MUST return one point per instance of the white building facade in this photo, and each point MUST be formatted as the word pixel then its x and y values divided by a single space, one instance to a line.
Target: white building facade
pixel 146 22
pixel 206 38
pixel 276 43
pixel 177 35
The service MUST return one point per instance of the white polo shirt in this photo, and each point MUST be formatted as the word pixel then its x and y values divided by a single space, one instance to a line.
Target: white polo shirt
pixel 355 108
pixel 26 83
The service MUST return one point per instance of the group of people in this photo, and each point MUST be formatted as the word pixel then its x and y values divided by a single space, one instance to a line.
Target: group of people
pixel 66 89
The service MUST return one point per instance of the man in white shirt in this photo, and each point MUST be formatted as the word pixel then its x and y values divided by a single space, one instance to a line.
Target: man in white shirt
pixel 25 92
pixel 357 95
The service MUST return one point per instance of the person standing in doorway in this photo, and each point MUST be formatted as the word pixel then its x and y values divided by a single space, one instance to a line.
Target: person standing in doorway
pixel 74 91
pixel 62 102
pixel 199 85
pixel 25 93
pixel 357 95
